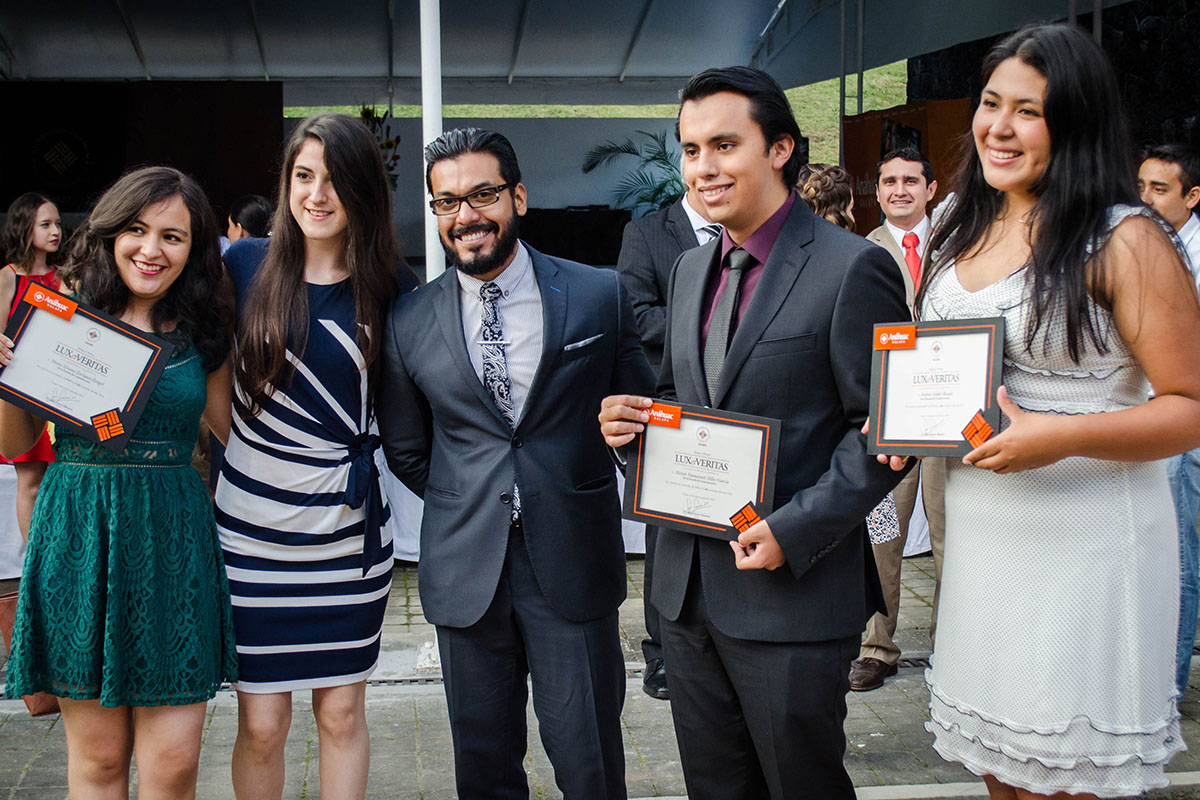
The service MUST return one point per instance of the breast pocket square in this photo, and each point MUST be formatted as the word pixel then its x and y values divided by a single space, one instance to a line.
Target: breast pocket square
pixel 582 343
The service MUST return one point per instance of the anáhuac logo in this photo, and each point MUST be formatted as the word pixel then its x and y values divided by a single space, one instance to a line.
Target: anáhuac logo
pixel 895 337
pixel 702 434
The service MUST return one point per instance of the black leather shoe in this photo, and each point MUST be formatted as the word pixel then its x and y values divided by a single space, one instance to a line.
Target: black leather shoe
pixel 654 679
pixel 868 673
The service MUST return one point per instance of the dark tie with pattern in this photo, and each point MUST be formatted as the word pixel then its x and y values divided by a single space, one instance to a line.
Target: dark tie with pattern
pixel 713 231
pixel 722 321
pixel 495 368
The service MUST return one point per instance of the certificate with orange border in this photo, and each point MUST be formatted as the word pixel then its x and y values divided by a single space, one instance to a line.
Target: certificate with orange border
pixel 79 368
pixel 933 386
pixel 696 469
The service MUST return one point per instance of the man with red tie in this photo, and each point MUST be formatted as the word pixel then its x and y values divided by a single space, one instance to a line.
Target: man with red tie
pixel 904 188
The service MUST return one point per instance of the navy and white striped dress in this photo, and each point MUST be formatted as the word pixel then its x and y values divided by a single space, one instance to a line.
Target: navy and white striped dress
pixel 300 509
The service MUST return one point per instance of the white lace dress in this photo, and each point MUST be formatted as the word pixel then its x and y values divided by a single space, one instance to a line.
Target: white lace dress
pixel 1054 664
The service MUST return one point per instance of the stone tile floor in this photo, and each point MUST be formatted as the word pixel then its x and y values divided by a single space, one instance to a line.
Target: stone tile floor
pixel 888 751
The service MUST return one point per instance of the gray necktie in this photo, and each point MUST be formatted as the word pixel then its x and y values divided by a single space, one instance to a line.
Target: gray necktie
pixel 722 319
pixel 713 231
pixel 495 367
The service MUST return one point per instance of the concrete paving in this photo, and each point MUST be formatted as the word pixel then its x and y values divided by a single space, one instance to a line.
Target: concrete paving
pixel 888 752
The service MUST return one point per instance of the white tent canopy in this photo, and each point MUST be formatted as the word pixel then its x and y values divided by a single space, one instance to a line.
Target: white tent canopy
pixel 493 51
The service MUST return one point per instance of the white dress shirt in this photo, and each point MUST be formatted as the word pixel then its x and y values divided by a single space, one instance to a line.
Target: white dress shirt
pixel 699 223
pixel 520 310
pixel 1190 235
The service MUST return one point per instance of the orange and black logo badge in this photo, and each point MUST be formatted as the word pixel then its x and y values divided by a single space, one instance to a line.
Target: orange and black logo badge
pixel 108 425
pixel 745 518
pixel 977 431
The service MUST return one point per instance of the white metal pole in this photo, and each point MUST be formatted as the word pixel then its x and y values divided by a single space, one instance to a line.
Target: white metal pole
pixel 431 121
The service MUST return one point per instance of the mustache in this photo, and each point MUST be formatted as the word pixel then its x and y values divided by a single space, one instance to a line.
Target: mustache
pixel 478 227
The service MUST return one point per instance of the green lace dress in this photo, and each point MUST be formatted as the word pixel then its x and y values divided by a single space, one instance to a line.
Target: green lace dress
pixel 124 596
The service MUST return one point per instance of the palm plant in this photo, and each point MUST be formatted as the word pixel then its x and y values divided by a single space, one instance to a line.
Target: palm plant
pixel 655 183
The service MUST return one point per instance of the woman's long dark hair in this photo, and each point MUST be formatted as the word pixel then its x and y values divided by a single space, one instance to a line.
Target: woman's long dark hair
pixel 194 301
pixel 16 240
pixel 1090 169
pixel 277 301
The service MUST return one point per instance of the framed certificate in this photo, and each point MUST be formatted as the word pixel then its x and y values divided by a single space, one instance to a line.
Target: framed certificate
pixel 80 368
pixel 702 470
pixel 933 386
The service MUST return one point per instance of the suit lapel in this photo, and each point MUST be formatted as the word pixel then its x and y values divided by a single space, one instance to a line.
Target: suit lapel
pixel 680 226
pixel 883 237
pixel 787 258
pixel 448 311
pixel 691 277
pixel 554 321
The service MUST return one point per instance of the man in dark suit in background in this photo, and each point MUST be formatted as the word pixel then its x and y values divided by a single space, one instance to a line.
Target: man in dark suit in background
pixel 773 319
pixel 492 374
pixel 649 248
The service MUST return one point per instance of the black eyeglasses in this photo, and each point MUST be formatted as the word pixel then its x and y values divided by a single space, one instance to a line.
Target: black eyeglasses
pixel 445 206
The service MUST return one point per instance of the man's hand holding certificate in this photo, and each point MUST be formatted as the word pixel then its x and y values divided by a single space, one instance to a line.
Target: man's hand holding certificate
pixel 80 368
pixel 933 386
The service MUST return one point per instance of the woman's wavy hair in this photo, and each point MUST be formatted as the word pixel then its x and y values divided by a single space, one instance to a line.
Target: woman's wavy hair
pixel 195 300
pixel 828 191
pixel 276 304
pixel 1090 169
pixel 16 239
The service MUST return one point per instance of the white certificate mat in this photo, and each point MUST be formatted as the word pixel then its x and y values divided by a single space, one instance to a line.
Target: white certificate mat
pixel 934 389
pixel 700 470
pixel 82 370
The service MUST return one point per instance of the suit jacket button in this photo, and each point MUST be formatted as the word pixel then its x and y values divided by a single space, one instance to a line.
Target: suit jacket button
pixel 504 498
pixel 517 442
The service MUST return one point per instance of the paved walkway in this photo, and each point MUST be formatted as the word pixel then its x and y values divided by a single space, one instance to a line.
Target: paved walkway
pixel 888 750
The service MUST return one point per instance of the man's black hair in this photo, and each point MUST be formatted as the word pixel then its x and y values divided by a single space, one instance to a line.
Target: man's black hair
pixel 460 141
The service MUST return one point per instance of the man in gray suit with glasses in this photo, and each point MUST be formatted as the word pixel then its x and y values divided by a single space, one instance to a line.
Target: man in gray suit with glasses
pixel 492 377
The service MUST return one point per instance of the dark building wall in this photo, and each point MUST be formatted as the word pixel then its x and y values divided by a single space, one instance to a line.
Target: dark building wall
pixel 71 140
pixel 1154 46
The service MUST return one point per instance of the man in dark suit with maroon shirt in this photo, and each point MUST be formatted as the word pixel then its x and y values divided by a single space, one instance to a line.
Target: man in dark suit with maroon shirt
pixel 773 319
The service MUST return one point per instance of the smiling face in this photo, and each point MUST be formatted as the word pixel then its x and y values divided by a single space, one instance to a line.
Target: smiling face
pixel 152 251
pixel 478 241
pixel 903 193
pixel 47 229
pixel 1011 137
pixel 312 198
pixel 735 173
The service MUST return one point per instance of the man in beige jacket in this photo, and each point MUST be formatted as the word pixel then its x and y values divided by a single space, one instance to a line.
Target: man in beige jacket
pixel 904 187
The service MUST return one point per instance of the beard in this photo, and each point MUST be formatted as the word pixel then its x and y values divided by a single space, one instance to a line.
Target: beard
pixel 481 264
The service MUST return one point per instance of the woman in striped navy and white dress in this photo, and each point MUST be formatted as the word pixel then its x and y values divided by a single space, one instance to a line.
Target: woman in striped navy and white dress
pixel 300 509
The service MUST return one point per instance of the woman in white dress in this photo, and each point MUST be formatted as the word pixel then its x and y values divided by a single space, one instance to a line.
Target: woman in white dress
pixel 1053 669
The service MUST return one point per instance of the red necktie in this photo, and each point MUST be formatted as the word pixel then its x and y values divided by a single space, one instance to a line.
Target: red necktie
pixel 911 258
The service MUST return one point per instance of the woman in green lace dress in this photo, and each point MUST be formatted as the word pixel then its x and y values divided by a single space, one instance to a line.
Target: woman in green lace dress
pixel 124 607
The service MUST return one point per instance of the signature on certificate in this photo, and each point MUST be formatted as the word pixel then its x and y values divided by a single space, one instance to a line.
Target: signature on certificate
pixel 693 504
pixel 932 426
pixel 61 394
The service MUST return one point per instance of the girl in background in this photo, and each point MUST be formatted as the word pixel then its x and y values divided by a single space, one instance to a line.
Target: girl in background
pixel 30 241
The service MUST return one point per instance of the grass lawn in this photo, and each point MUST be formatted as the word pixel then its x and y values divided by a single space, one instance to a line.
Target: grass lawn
pixel 815 105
